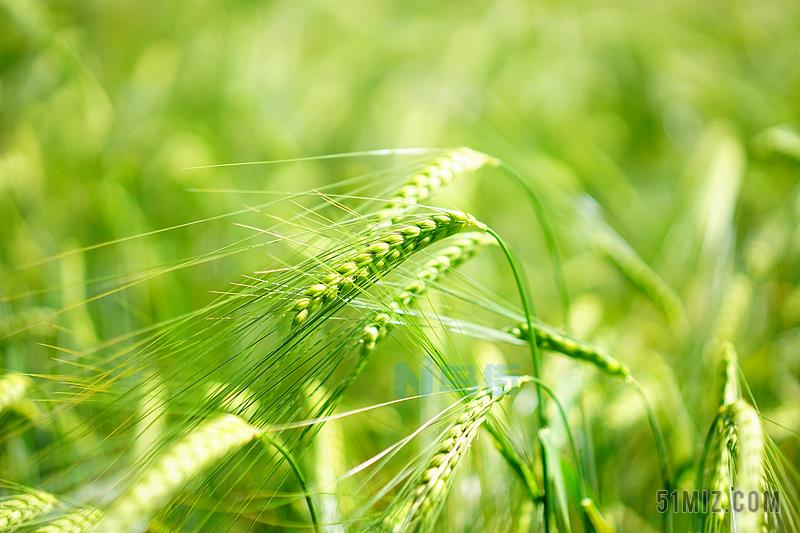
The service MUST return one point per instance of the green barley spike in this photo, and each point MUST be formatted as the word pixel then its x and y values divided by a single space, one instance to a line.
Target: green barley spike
pixel 78 521
pixel 422 498
pixel 21 508
pixel 392 247
pixel 550 338
pixel 431 179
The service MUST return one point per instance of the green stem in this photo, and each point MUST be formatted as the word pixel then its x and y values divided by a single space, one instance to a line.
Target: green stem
pixel 527 307
pixel 549 236
pixel 297 472
pixel 570 439
pixel 661 448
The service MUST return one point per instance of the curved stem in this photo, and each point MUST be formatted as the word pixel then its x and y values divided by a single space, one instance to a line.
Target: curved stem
pixel 549 236
pixel 297 472
pixel 661 448
pixel 563 415
pixel 520 468
pixel 527 307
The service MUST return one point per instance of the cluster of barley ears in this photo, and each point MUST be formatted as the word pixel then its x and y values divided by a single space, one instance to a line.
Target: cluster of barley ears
pixel 203 421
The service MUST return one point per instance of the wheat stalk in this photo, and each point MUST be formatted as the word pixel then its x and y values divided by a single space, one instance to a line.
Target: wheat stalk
pixel 423 497
pixel 550 338
pixel 378 257
pixel 432 178
pixel 21 508
pixel 329 451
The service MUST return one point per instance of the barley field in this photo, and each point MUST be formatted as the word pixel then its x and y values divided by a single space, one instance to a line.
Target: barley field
pixel 400 266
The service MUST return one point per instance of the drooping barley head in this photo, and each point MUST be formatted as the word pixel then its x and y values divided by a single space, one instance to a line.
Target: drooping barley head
pixel 378 257
pixel 420 502
pixel 432 178
pixel 550 338
pixel 78 521
pixel 18 509
pixel 641 275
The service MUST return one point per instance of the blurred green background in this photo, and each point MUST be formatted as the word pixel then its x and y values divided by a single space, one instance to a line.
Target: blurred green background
pixel 105 103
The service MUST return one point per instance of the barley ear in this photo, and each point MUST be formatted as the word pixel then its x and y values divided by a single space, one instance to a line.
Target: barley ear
pixel 377 327
pixel 732 311
pixel 422 499
pixel 21 508
pixel 198 450
pixel 750 477
pixel 446 260
pixel 201 448
pixel 730 380
pixel 550 338
pixel 431 179
pixel 722 481
pixel 641 275
pixel 78 521
pixel 374 259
